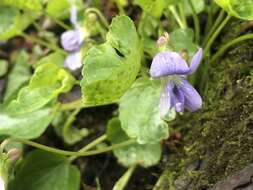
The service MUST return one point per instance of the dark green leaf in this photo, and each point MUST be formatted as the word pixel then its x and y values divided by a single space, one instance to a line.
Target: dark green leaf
pixel 46 171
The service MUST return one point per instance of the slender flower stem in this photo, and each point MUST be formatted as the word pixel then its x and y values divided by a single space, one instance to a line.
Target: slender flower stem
pixel 79 103
pixel 215 34
pixel 90 145
pixel 68 124
pixel 122 182
pixel 215 25
pixel 72 153
pixel 182 14
pixel 196 21
pixel 43 43
pixel 177 17
pixel 100 15
pixel 228 45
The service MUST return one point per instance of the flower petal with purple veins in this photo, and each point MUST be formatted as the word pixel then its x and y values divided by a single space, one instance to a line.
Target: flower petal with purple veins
pixel 72 40
pixel 168 63
pixel 73 61
pixel 165 99
pixel 193 100
pixel 195 61
pixel 179 99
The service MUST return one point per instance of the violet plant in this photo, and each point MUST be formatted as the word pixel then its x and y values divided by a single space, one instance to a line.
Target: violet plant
pixel 116 69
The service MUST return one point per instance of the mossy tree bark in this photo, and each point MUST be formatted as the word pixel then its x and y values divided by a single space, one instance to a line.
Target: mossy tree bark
pixel 218 140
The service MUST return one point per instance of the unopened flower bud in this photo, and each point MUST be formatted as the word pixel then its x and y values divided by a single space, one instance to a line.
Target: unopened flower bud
pixel 14 154
pixel 163 40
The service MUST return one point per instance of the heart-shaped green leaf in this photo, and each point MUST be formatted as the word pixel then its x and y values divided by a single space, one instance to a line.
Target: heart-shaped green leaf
pixel 26 126
pixel 35 5
pixel 46 84
pixel 18 76
pixel 153 7
pixel 46 171
pixel 139 112
pixel 145 155
pixel 182 40
pixel 13 22
pixel 240 9
pixel 111 68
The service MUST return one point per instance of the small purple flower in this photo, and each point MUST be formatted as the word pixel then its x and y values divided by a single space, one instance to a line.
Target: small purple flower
pixel 73 61
pixel 177 92
pixel 72 41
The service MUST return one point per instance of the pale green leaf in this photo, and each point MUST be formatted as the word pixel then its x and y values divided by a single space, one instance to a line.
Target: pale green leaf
pixel 46 84
pixel 182 40
pixel 46 171
pixel 242 9
pixel 3 67
pixel 139 112
pixel 199 6
pixel 56 58
pixel 145 155
pixel 19 75
pixel 13 22
pixel 111 68
pixel 35 5
pixel 60 8
pixel 26 126
pixel 153 7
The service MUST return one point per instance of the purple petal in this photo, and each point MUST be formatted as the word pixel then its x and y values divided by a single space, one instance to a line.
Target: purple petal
pixel 165 99
pixel 168 63
pixel 73 61
pixel 195 61
pixel 72 40
pixel 193 100
pixel 179 99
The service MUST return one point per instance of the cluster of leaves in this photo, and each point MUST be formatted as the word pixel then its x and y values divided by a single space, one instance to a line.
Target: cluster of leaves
pixel 112 73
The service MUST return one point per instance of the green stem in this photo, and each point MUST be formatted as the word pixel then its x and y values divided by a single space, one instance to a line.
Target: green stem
pixel 70 119
pixel 78 103
pixel 177 17
pixel 100 15
pixel 182 14
pixel 72 153
pixel 215 34
pixel 196 22
pixel 215 25
pixel 229 44
pixel 43 43
pixel 90 145
pixel 122 182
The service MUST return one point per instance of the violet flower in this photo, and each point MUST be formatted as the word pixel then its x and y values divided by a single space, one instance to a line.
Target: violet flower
pixel 72 41
pixel 177 92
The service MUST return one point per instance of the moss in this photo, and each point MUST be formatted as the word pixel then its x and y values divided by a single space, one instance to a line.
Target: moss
pixel 218 140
